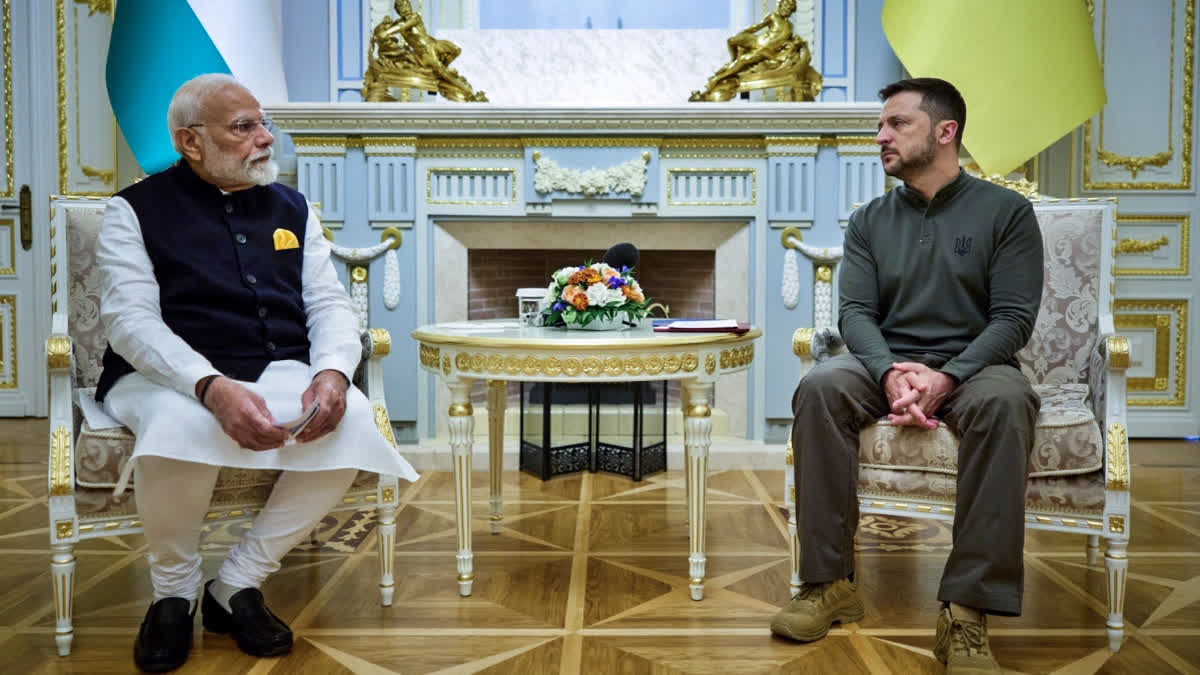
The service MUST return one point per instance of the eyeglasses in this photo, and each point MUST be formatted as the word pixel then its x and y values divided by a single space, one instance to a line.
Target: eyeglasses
pixel 242 128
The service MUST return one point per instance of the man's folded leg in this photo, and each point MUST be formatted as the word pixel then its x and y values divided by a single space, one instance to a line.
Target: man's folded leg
pixel 233 603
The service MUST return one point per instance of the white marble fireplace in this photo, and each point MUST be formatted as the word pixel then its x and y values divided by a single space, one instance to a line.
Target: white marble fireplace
pixel 729 239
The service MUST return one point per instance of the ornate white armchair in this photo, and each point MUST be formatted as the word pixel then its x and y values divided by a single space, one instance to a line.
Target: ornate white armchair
pixel 1079 468
pixel 85 463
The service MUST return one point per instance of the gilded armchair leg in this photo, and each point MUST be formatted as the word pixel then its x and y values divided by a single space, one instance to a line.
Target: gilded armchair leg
pixel 789 499
pixel 697 437
pixel 497 399
pixel 1116 565
pixel 1093 548
pixel 386 527
pixel 62 576
pixel 462 428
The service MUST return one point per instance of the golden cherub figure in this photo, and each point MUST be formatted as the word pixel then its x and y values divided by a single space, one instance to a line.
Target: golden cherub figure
pixel 764 55
pixel 403 54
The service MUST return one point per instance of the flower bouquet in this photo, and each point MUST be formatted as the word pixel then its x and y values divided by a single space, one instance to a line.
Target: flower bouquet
pixel 594 296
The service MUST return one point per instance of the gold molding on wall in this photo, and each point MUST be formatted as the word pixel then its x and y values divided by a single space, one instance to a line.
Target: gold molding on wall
pixel 11 226
pixel 8 188
pixel 728 171
pixel 1142 314
pixel 9 355
pixel 60 44
pixel 1135 164
pixel 1144 246
pixel 511 173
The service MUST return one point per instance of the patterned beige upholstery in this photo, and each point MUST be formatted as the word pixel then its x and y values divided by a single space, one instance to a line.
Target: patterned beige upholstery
pixel 1078 479
pixel 85 462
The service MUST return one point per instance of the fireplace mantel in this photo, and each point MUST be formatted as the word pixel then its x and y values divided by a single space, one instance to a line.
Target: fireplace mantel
pixel 724 177
pixel 482 118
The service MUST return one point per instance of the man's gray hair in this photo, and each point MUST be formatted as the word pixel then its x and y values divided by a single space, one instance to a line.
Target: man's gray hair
pixel 188 102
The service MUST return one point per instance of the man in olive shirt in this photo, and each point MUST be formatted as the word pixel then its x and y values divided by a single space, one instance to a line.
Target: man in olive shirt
pixel 939 287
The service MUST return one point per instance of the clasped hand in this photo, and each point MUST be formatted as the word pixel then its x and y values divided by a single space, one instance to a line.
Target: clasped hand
pixel 915 392
pixel 244 416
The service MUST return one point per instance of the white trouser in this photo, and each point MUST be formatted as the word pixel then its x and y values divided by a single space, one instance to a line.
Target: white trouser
pixel 173 496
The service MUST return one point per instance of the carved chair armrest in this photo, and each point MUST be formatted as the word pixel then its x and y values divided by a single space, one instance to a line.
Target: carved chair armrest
pixel 59 351
pixel 1108 404
pixel 814 345
pixel 61 475
pixel 376 344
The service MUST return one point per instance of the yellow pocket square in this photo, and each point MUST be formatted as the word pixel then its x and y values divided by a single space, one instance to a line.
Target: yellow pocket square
pixel 284 239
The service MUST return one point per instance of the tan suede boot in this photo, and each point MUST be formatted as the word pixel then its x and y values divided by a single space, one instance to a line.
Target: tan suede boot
pixel 963 646
pixel 814 609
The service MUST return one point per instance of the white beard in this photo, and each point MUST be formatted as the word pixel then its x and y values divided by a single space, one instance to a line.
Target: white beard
pixel 229 170
pixel 261 173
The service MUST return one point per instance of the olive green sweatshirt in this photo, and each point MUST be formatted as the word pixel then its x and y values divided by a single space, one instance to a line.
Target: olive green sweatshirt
pixel 957 278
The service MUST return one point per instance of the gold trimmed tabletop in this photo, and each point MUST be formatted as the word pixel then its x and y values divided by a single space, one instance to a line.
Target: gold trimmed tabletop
pixel 503 333
pixel 502 349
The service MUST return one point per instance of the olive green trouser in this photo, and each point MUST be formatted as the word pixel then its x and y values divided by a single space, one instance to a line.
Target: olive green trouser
pixel 993 414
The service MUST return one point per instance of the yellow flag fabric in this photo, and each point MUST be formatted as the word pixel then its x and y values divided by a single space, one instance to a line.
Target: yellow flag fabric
pixel 1027 68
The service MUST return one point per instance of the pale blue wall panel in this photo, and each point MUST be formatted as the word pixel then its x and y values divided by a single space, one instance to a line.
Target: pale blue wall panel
pixel 400 366
pixel 833 32
pixel 306 49
pixel 774 348
pixel 350 50
pixel 875 64
pixel 780 321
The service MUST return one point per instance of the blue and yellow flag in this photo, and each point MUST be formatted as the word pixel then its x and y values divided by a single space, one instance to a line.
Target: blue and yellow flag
pixel 1027 68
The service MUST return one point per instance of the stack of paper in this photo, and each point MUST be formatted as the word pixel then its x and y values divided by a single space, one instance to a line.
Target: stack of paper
pixel 700 326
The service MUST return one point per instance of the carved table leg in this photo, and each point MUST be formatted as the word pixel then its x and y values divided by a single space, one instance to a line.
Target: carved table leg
pixel 697 437
pixel 497 398
pixel 462 426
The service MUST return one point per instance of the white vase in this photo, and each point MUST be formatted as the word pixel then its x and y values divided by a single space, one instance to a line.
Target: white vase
pixel 617 323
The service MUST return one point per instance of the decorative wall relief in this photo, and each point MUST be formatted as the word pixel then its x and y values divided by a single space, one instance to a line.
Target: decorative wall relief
pixel 625 177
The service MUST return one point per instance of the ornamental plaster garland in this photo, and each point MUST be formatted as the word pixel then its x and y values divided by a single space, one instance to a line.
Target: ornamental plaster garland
pixel 391 273
pixel 789 286
pixel 629 177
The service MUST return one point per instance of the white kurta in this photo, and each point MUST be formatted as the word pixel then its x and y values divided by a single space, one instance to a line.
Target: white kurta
pixel 158 402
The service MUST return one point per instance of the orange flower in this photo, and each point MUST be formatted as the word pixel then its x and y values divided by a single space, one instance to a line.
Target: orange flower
pixel 576 296
pixel 578 277
pixel 633 294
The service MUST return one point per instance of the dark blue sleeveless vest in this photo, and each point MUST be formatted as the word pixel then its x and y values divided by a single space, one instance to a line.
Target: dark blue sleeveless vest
pixel 223 287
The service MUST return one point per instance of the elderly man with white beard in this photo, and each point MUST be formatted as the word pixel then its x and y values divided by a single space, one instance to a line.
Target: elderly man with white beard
pixel 225 316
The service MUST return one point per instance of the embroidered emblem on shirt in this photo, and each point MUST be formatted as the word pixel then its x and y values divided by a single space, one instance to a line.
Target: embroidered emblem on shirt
pixel 962 245
pixel 285 239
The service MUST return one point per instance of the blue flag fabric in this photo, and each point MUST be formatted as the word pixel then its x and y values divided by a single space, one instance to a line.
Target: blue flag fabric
pixel 156 46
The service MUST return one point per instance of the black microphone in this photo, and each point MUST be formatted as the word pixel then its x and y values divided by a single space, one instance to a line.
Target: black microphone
pixel 622 255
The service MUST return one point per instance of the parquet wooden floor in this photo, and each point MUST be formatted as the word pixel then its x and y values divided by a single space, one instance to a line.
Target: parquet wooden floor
pixel 589 575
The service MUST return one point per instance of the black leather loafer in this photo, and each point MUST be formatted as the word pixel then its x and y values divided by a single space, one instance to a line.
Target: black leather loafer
pixel 256 629
pixel 165 637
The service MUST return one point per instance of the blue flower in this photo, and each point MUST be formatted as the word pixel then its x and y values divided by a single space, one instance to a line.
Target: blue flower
pixel 615 282
pixel 559 306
